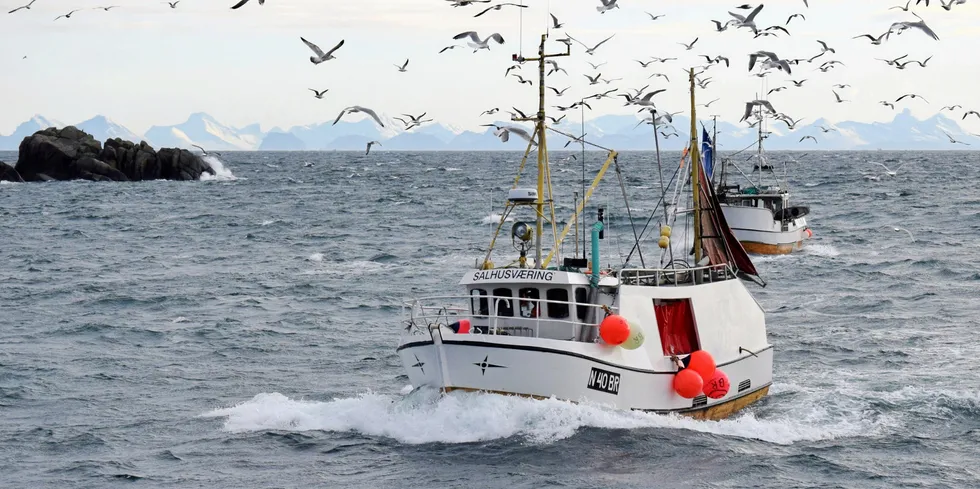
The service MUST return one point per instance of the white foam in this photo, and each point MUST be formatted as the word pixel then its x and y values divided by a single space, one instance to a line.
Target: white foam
pixel 494 218
pixel 318 257
pixel 221 173
pixel 267 222
pixel 820 249
pixel 424 416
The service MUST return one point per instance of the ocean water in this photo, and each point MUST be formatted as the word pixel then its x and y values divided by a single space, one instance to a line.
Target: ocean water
pixel 240 332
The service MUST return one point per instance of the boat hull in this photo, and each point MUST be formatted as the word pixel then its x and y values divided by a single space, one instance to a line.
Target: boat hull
pixel 760 233
pixel 577 372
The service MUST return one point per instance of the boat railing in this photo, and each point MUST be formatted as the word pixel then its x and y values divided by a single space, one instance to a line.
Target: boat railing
pixel 428 312
pixel 676 276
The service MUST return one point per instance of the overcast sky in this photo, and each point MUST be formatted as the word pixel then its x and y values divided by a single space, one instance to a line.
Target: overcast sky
pixel 146 63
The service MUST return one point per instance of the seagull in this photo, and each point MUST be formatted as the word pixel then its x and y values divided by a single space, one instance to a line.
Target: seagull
pixel 319 94
pixel 491 111
pixel 498 7
pixel 504 132
pixel 243 2
pixel 522 80
pixel 809 137
pixel 971 112
pixel 357 108
pixel 749 20
pixel 902 26
pixel 904 9
pixel 588 50
pixel 559 93
pixel 749 106
pixel 794 15
pixel 900 229
pixel 554 22
pixel 205 152
pixel 901 66
pixel 607 5
pixel 320 55
pixel 367 151
pixel 110 7
pixel 889 171
pixel 951 140
pixel 447 48
pixel 874 40
pixel 28 7
pixel 779 63
pixel 173 4
pixel 654 17
pixel 558 120
pixel 887 104
pixel 951 107
pixel 402 68
pixel 798 83
pixel 911 95
pixel 825 47
pixel 475 41
pixel 689 46
pixel 68 15
pixel 828 129
pixel 593 81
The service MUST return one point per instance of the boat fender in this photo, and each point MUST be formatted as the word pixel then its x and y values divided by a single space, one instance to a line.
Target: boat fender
pixel 614 330
pixel 717 387
pixel 635 339
pixel 701 362
pixel 461 327
pixel 688 384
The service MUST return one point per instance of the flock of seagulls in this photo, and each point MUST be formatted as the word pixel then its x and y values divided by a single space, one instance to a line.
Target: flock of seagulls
pixel 746 19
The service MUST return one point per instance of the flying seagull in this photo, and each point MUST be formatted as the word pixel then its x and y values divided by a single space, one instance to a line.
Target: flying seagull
pixel 243 2
pixel 475 41
pixel 402 68
pixel 319 94
pixel 911 95
pixel 889 171
pixel 951 140
pixel 498 7
pixel 554 22
pixel 749 106
pixel 67 16
pixel 28 7
pixel 173 4
pixel 504 132
pixel 588 50
pixel 809 137
pixel 205 152
pixel 320 55
pixel 369 144
pixel 899 27
pixel 357 108
pixel 607 5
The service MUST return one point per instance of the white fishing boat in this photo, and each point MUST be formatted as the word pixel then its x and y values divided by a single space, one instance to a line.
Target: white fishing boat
pixel 677 337
pixel 760 213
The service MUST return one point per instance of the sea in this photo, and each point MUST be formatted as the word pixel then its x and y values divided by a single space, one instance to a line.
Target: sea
pixel 240 331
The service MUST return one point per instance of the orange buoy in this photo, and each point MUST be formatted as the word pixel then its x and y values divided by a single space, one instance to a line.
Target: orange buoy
pixel 688 383
pixel 703 363
pixel 717 386
pixel 614 330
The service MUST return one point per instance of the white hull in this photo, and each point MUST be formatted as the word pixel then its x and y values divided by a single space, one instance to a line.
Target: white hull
pixel 760 232
pixel 730 326
pixel 550 368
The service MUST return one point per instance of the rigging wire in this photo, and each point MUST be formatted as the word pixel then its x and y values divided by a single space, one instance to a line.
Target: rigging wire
pixel 520 46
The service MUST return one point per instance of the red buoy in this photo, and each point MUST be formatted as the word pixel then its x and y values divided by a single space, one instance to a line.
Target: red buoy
pixel 703 363
pixel 717 387
pixel 464 326
pixel 614 330
pixel 688 384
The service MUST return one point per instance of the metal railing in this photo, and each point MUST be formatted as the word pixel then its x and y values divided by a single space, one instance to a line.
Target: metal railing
pixel 427 312
pixel 676 276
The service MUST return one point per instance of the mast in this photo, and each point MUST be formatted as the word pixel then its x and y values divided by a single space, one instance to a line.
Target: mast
pixel 714 148
pixel 539 130
pixel 695 183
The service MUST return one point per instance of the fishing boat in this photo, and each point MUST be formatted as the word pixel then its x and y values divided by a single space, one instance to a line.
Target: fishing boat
pixel 681 337
pixel 760 213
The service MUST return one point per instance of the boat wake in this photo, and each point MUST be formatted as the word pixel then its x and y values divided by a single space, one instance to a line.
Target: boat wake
pixel 424 416
pixel 221 172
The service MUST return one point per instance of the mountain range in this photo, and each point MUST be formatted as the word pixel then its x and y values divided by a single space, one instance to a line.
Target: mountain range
pixel 621 132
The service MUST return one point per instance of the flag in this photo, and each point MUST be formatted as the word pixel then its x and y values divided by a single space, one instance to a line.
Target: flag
pixel 707 158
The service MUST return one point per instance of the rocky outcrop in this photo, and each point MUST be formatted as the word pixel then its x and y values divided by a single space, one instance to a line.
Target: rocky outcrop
pixel 70 154
pixel 7 173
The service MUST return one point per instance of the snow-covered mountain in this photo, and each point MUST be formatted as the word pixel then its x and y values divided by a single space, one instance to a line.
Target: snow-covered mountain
pixel 103 128
pixel 205 131
pixel 621 132
pixel 35 124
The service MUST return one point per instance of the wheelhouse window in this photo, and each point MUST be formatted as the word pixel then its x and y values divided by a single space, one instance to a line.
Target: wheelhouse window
pixel 557 303
pixel 478 302
pixel 529 302
pixel 582 299
pixel 504 304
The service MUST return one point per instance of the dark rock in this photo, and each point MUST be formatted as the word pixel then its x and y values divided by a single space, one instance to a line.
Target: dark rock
pixel 7 173
pixel 68 154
